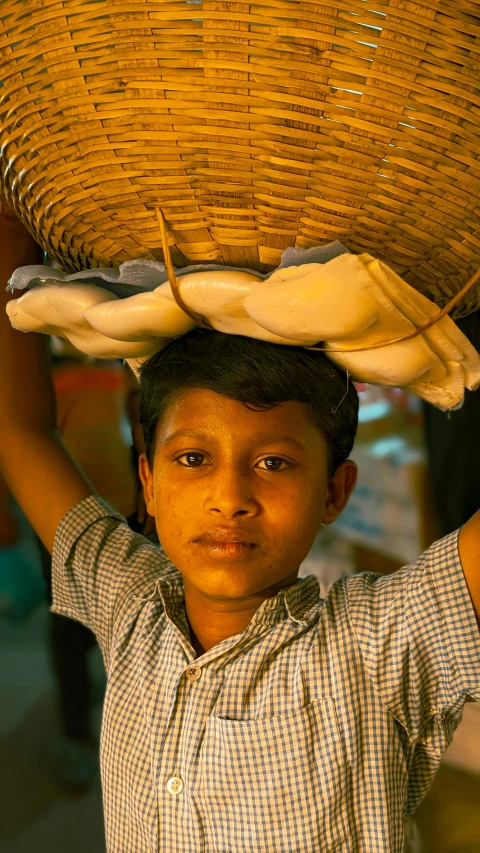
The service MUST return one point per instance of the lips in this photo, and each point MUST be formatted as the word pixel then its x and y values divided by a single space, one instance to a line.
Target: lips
pixel 226 536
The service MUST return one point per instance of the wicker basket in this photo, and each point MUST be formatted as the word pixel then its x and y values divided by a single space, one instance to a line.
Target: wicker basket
pixel 253 128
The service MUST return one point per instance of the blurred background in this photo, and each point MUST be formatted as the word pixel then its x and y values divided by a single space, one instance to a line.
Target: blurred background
pixel 419 478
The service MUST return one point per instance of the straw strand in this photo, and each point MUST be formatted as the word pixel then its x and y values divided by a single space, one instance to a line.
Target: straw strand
pixel 197 318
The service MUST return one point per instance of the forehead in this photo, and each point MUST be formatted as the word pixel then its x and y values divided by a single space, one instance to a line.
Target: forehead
pixel 198 410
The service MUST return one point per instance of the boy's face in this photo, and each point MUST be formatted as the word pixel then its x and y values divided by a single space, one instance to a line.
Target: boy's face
pixel 239 495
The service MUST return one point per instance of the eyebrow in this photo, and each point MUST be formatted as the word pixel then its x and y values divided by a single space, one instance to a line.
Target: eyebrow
pixel 205 436
pixel 184 433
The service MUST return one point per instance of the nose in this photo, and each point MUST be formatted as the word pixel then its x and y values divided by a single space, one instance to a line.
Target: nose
pixel 231 494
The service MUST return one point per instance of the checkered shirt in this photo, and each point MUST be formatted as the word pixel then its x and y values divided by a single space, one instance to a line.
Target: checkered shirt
pixel 316 730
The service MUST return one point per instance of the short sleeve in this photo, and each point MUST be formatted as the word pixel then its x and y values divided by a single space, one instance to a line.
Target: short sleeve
pixel 101 569
pixel 420 641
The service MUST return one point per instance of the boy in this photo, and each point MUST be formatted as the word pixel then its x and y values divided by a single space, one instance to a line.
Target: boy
pixel 244 713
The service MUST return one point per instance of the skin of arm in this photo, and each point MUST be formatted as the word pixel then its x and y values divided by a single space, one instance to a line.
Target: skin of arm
pixel 8 524
pixel 37 468
pixel 133 410
pixel 469 547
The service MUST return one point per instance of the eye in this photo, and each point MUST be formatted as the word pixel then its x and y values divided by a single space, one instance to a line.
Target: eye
pixel 191 460
pixel 273 463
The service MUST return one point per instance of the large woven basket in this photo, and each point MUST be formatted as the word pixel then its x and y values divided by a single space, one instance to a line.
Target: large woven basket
pixel 252 126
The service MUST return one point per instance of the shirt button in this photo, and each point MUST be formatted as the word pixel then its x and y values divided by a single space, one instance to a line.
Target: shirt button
pixel 193 673
pixel 175 785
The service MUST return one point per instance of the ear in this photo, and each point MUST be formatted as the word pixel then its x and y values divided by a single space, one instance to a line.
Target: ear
pixel 146 476
pixel 340 488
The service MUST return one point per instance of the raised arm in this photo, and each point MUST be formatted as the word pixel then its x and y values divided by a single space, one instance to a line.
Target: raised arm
pixel 469 547
pixel 40 473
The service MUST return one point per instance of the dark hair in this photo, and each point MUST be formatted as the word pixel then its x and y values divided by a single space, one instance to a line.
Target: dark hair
pixel 257 373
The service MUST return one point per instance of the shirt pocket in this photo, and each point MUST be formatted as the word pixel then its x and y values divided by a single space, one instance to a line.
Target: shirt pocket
pixel 276 785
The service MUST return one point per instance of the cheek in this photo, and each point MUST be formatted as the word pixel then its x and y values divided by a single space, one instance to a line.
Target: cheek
pixel 295 513
pixel 175 509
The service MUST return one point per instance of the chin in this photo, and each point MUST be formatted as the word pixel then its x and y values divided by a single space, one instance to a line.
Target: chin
pixel 228 589
pixel 227 583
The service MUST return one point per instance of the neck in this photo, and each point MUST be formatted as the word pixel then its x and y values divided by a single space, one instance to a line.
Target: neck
pixel 209 627
pixel 213 620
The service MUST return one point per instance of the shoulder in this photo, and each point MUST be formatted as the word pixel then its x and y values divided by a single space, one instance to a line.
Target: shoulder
pixel 96 538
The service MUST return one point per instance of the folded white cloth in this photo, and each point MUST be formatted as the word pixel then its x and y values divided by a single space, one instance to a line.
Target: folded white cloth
pixel 347 302
pixel 356 301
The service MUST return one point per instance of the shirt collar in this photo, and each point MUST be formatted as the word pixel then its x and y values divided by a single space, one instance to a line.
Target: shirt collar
pixel 299 602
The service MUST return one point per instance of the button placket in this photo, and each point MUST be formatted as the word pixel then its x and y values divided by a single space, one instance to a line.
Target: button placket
pixel 175 784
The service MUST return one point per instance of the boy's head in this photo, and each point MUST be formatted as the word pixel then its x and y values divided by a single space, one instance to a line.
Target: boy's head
pixel 246 449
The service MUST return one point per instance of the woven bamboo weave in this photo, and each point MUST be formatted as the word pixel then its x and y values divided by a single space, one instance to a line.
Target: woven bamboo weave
pixel 253 127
